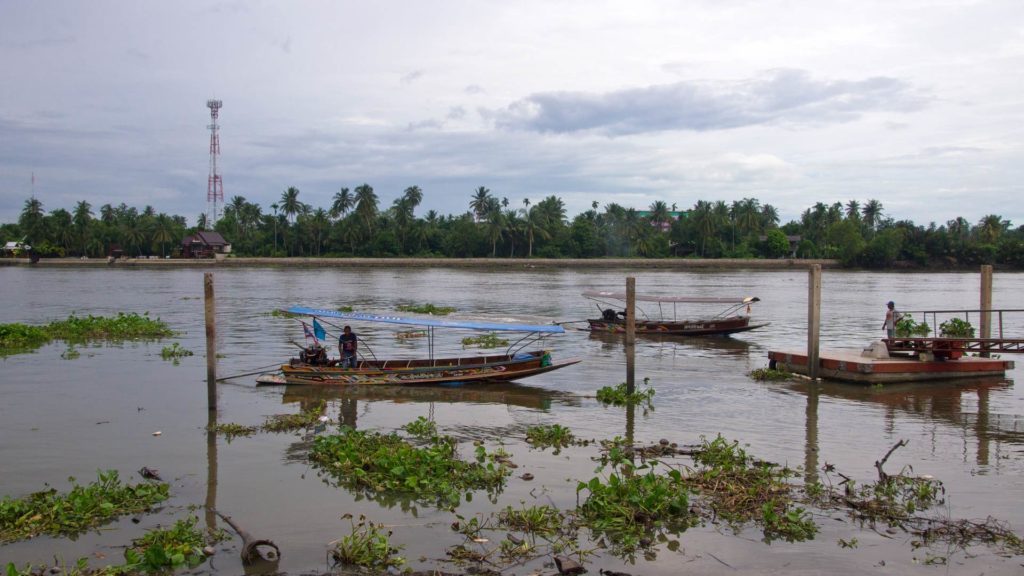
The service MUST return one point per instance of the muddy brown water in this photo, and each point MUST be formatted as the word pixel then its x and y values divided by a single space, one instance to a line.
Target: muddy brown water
pixel 70 417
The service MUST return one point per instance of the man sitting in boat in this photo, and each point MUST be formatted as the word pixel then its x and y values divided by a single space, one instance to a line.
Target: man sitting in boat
pixel 347 344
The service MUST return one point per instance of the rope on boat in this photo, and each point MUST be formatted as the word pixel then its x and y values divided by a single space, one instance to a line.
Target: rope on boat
pixel 263 370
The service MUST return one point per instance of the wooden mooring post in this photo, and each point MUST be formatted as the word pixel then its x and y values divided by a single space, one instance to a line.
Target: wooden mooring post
pixel 630 333
pixel 813 319
pixel 211 342
pixel 986 304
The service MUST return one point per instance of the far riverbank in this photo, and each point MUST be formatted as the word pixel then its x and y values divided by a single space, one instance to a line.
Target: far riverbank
pixel 491 263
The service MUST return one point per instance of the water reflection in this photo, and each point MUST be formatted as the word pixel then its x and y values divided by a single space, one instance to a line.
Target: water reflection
pixel 508 393
pixel 963 404
pixel 717 346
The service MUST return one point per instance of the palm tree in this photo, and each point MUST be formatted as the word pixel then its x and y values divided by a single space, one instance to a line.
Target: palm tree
pixel 991 227
pixel 748 216
pixel 512 227
pixel 769 217
pixel 495 229
pixel 163 231
pixel 534 222
pixel 31 220
pixel 366 205
pixel 872 212
pixel 479 203
pixel 705 221
pixel 290 204
pixel 343 202
pixel 202 221
pixel 659 214
pixel 853 210
pixel 82 219
pixel 318 223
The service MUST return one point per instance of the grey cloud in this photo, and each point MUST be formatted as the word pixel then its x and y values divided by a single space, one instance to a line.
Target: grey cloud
pixel 412 77
pixel 456 113
pixel 473 89
pixel 775 96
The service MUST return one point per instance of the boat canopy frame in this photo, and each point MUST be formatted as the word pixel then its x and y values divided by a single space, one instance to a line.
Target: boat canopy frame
pixel 533 332
pixel 733 303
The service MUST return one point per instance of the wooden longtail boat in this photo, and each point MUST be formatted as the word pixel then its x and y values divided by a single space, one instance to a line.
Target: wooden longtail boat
pixel 313 367
pixel 735 318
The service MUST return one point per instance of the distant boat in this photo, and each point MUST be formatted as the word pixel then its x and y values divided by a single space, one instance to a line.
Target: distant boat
pixel 734 318
pixel 314 367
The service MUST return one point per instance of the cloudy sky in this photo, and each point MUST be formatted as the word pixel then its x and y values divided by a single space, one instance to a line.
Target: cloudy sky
pixel 916 103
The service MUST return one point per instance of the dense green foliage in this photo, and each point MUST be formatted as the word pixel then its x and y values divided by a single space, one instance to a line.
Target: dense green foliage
pixel 160 550
pixel 16 338
pixel 386 463
pixel 82 508
pixel 355 225
pixel 367 546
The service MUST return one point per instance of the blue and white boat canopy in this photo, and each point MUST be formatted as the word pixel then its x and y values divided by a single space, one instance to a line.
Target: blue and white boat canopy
pixel 428 322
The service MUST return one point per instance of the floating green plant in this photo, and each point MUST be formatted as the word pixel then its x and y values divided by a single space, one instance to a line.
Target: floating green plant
pixel 380 463
pixel 174 352
pixel 83 507
pixel 621 396
pixel 306 418
pixel 279 313
pixel 367 546
pixel 741 489
pixel 344 309
pixel 230 430
pixel 550 435
pixel 421 428
pixel 484 341
pixel 426 309
pixel 769 374
pixel 16 338
pixel 180 546
pixel 632 503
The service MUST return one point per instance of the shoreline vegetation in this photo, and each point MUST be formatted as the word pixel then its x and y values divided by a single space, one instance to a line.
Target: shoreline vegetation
pixel 506 263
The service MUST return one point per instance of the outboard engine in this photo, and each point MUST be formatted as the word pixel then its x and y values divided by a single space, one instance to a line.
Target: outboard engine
pixel 314 355
pixel 608 314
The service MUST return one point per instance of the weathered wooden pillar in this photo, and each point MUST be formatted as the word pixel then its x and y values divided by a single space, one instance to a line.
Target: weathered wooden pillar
pixel 630 311
pixel 986 301
pixel 986 304
pixel 211 342
pixel 813 319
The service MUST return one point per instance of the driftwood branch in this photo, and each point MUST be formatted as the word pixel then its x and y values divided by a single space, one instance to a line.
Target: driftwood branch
pixel 882 476
pixel 253 549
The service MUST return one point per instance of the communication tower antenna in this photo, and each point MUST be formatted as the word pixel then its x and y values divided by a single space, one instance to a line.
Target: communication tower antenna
pixel 214 186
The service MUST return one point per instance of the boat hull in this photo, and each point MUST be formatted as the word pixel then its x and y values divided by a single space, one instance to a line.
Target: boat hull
pixel 704 327
pixel 497 368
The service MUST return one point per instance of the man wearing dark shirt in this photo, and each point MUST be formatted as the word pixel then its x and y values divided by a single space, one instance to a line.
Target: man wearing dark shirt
pixel 347 343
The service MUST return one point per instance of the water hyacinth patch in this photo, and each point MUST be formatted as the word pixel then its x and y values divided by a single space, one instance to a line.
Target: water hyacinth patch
pixel 382 463
pixel 15 338
pixel 82 508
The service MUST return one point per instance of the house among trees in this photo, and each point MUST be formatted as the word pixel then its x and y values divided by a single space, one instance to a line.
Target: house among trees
pixel 204 244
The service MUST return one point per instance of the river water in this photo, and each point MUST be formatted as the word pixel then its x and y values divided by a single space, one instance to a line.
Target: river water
pixel 70 417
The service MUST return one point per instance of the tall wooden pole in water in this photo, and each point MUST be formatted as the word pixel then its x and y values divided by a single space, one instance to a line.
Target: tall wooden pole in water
pixel 211 343
pixel 986 303
pixel 630 311
pixel 630 334
pixel 813 319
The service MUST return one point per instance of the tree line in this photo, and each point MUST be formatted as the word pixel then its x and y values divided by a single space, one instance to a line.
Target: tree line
pixel 355 224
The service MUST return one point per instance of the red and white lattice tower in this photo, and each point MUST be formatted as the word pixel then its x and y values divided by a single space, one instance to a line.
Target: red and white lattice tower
pixel 214 187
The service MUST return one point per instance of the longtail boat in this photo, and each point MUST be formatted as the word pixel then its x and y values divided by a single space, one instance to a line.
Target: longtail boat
pixel 314 367
pixel 734 318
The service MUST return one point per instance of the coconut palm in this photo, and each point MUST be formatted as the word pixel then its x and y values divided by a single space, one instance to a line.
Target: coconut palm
pixel 659 214
pixel 290 204
pixel 991 227
pixel 769 217
pixel 479 203
pixel 534 226
pixel 82 219
pixel 853 210
pixel 366 206
pixel 343 202
pixel 705 221
pixel 495 229
pixel 872 212
pixel 163 232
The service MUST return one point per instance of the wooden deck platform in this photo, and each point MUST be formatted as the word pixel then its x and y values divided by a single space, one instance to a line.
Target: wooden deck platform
pixel 851 366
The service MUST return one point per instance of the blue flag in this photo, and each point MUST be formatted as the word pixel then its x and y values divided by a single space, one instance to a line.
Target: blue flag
pixel 319 331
